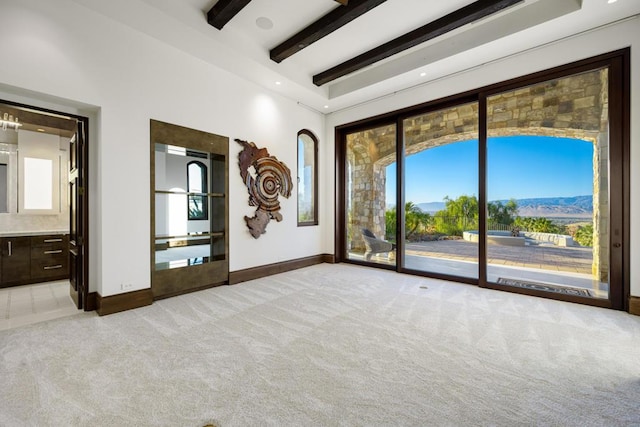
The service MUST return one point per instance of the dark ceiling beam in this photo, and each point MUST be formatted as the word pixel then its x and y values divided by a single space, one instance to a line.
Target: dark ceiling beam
pixel 223 11
pixel 326 25
pixel 465 15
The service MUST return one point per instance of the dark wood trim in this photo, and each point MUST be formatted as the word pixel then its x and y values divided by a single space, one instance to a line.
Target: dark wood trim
pixel 85 215
pixel 618 192
pixel 324 26
pixel 328 258
pixel 91 303
pixel 463 16
pixel 121 302
pixel 400 196
pixel 626 177
pixel 187 291
pixel 482 190
pixel 339 218
pixel 634 305
pixel 223 11
pixel 276 268
pixel 315 178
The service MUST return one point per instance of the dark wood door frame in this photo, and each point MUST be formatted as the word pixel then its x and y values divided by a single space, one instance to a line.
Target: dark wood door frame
pixel 82 297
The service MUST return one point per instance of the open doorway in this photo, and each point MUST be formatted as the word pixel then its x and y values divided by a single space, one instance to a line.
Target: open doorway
pixel 43 214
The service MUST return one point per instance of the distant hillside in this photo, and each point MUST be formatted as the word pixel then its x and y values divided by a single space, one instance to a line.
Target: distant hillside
pixel 558 207
pixel 577 206
pixel 431 207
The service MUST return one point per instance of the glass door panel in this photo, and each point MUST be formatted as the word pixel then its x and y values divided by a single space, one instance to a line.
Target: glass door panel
pixel 441 188
pixel 370 194
pixel 547 186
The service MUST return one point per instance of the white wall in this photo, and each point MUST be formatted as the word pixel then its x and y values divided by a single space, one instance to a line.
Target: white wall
pixel 64 52
pixel 599 41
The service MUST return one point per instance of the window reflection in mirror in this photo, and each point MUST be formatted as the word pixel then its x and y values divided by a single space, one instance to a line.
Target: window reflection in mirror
pixel 189 218
pixel 38 183
pixel 197 188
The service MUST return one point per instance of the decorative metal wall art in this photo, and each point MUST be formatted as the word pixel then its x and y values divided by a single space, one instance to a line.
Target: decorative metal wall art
pixel 272 178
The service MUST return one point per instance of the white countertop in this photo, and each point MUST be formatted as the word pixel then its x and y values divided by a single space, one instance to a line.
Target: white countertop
pixel 32 233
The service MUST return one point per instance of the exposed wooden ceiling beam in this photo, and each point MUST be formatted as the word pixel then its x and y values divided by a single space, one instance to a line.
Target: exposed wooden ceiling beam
pixel 224 10
pixel 326 25
pixel 460 17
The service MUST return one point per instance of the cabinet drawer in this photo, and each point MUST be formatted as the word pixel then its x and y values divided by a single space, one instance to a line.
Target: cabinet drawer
pixel 49 251
pixel 51 266
pixel 50 240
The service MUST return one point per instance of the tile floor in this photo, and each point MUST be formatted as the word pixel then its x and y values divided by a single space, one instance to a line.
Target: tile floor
pixel 24 305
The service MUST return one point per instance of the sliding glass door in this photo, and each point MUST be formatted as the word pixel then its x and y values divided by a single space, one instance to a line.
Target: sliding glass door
pixel 547 186
pixel 371 195
pixel 440 179
pixel 521 186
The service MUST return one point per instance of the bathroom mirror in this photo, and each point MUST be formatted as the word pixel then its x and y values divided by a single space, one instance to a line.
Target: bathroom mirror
pixel 33 160
pixel 189 208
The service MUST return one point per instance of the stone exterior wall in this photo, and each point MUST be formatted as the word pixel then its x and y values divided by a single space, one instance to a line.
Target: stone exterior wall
pixel 367 176
pixel 573 107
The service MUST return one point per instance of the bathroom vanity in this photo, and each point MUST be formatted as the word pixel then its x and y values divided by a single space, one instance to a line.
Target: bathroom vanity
pixel 33 257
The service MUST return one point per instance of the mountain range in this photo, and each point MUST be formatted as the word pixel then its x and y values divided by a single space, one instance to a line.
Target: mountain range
pixel 555 207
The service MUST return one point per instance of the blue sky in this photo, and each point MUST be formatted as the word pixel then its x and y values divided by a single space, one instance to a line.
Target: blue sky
pixel 519 167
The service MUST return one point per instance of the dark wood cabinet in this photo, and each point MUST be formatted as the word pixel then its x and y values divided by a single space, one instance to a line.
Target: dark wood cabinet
pixel 49 257
pixel 33 259
pixel 16 260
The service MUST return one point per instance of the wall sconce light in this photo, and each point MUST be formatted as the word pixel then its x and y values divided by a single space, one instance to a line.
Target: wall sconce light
pixel 8 121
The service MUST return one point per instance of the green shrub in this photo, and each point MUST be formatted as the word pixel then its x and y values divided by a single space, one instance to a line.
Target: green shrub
pixel 584 235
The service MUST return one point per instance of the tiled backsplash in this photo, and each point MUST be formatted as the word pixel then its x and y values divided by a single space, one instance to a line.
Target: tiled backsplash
pixel 17 223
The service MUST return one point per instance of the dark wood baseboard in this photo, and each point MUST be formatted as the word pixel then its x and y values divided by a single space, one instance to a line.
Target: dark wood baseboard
pixel 121 302
pixel 634 305
pixel 187 291
pixel 92 302
pixel 280 267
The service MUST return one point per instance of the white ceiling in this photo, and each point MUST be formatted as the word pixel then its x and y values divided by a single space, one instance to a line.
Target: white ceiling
pixel 242 47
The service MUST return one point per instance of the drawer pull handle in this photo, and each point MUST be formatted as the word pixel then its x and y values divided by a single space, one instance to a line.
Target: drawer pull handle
pixel 59 251
pixel 52 240
pixel 52 267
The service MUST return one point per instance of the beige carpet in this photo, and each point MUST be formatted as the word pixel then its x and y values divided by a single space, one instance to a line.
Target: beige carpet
pixel 328 345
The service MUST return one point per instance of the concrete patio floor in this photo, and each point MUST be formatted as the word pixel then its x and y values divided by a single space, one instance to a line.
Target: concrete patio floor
pixel 552 258
pixel 537 263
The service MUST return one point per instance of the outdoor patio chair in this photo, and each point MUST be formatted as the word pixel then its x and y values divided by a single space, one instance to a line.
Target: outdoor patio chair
pixel 375 245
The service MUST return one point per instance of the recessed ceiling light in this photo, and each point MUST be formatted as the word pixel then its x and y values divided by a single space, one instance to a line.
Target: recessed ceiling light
pixel 326 106
pixel 264 23
pixel 40 130
pixel 423 74
pixel 612 1
pixel 278 83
